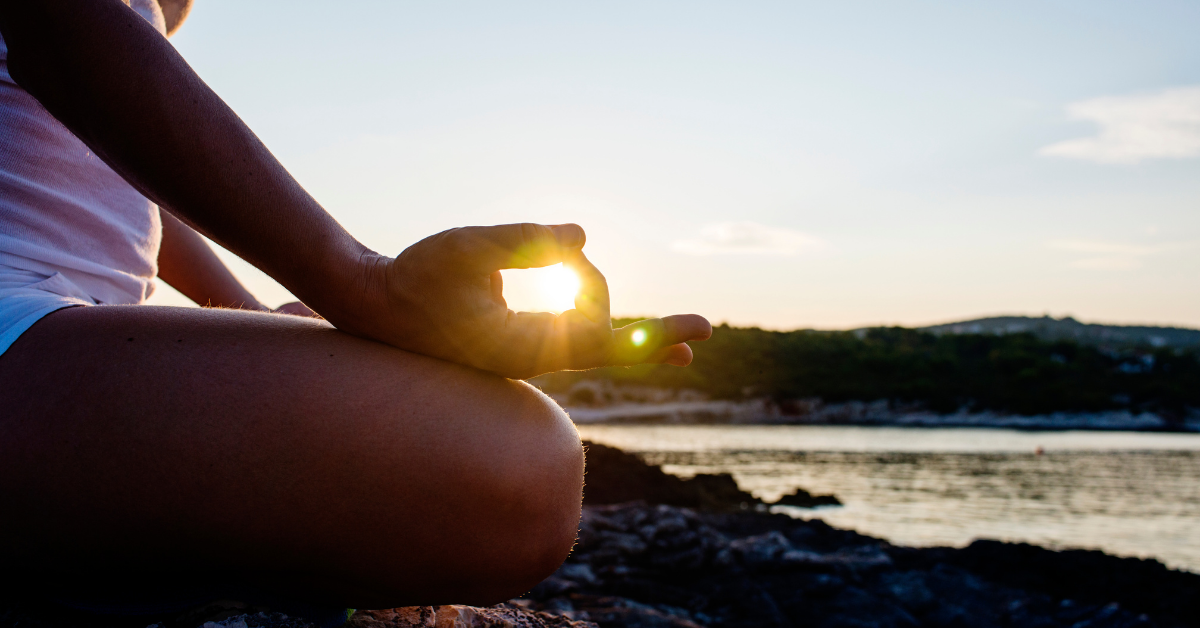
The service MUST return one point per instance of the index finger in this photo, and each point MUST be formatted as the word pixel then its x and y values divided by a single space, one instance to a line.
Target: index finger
pixel 592 298
pixel 516 246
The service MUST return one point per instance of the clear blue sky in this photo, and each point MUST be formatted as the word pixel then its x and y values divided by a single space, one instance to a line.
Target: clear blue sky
pixel 785 164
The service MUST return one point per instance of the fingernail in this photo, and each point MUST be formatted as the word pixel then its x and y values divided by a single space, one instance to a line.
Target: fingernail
pixel 568 235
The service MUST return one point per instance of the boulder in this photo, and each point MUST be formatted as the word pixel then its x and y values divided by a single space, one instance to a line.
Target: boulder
pixel 803 499
pixel 614 477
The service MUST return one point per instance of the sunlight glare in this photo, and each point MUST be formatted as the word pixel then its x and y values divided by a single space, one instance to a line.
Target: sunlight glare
pixel 549 289
pixel 638 337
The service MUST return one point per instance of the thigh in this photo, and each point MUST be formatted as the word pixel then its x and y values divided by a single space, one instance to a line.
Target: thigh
pixel 183 441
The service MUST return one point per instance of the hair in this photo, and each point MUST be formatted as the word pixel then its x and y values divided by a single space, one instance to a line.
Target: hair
pixel 174 12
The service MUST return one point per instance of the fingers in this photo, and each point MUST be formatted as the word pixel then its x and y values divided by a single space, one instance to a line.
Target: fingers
pixel 531 344
pixel 522 245
pixel 576 339
pixel 685 327
pixel 592 300
pixel 649 340
pixel 634 344
pixel 496 283
pixel 536 343
pixel 675 355
pixel 296 308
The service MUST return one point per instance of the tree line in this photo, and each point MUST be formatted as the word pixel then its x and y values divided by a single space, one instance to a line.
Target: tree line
pixel 1016 373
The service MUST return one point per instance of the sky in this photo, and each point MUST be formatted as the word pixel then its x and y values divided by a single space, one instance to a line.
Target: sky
pixel 782 164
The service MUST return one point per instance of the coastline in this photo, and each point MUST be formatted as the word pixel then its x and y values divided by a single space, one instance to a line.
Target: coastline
pixel 1126 493
pixel 878 413
pixel 734 563
pixel 639 565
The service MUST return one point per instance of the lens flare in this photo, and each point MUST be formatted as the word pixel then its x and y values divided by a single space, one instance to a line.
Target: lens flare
pixel 638 337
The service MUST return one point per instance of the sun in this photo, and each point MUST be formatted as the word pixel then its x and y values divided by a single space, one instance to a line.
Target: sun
pixel 549 289
pixel 559 286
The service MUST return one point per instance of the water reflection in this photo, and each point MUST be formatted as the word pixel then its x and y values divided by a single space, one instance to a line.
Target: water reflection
pixel 1140 502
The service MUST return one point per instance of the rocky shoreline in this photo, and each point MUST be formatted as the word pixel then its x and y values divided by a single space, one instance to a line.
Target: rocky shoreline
pixel 701 552
pixel 873 414
pixel 657 551
pixel 638 565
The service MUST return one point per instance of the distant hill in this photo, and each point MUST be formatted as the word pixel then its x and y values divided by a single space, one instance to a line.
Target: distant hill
pixel 973 366
pixel 1052 329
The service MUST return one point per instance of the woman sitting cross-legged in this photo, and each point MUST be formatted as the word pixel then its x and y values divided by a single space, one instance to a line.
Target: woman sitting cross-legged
pixel 382 454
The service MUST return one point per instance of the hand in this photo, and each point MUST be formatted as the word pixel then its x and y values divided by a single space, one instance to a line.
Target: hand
pixel 295 308
pixel 443 297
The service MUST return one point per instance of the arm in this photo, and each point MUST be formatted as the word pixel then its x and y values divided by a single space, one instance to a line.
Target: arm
pixel 124 90
pixel 187 263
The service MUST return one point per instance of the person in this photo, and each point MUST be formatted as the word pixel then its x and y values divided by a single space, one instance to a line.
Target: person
pixel 371 447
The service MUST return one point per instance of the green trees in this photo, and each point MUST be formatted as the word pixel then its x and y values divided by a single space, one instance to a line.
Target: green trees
pixel 1014 373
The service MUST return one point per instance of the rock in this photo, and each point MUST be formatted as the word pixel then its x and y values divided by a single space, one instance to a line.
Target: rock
pixel 803 499
pixel 553 586
pixel 909 589
pixel 661 565
pixel 254 620
pixel 640 618
pixel 775 550
pixel 855 606
pixel 857 558
pixel 453 616
pixel 1086 575
pixel 761 549
pixel 626 613
pixel 577 572
pixel 615 477
pixel 406 617
pixel 660 536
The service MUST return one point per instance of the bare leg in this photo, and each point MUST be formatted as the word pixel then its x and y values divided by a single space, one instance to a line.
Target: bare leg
pixel 180 444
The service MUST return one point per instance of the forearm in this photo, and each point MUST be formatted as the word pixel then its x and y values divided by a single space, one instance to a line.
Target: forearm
pixel 124 90
pixel 187 263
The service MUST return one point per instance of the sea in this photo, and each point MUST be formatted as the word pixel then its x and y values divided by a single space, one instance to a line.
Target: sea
pixel 1126 493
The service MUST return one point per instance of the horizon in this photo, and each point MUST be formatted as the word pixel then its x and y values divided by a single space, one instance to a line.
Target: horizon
pixel 950 322
pixel 786 167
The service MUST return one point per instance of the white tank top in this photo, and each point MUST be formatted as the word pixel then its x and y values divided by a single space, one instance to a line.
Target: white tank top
pixel 62 209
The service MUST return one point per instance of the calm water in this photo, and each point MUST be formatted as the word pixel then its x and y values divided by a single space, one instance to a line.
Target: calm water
pixel 1130 494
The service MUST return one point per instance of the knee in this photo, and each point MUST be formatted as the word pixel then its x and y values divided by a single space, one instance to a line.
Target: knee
pixel 479 500
pixel 538 489
pixel 511 494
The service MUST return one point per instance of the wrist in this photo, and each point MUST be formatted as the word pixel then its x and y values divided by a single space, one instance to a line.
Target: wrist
pixel 341 285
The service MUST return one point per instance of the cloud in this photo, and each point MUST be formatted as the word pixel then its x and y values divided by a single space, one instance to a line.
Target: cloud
pixel 1108 255
pixel 748 238
pixel 1164 125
